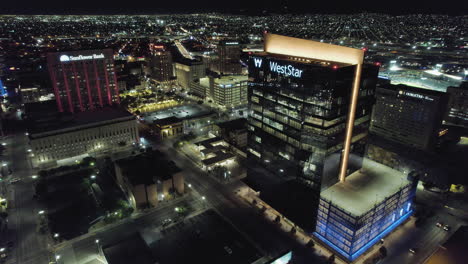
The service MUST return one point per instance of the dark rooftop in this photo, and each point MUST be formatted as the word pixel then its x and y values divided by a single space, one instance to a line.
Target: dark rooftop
pixel 132 249
pixel 68 121
pixel 396 87
pixel 167 121
pixel 147 168
pixel 236 124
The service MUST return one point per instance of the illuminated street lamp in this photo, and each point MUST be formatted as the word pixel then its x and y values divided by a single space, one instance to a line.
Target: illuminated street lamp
pixel 41 212
pixel 190 185
pixel 56 235
pixel 57 257
pixel 93 177
pixel 203 198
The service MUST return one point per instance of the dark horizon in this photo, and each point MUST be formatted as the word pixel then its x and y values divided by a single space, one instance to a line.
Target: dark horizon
pixel 53 7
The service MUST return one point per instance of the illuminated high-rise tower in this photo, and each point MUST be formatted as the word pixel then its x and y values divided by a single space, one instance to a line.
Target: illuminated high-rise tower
pixel 161 63
pixel 305 116
pixel 83 80
pixel 229 53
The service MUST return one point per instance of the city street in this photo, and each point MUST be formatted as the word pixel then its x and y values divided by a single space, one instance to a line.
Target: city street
pixel 84 249
pixel 29 245
pixel 222 198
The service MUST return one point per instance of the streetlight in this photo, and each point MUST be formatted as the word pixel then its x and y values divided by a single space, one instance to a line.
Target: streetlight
pixel 57 257
pixel 2 249
pixel 34 176
pixel 190 185
pixel 203 198
pixel 98 247
pixel 56 235
pixel 41 212
pixel 93 177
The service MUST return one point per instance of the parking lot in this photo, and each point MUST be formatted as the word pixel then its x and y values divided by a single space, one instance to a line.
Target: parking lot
pixel 182 112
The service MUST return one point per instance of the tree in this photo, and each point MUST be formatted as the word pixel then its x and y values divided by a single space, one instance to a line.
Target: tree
pixel 277 219
pixel 293 230
pixel 383 251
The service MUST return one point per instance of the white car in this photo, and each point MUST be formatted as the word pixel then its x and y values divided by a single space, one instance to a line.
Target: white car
pixel 15 180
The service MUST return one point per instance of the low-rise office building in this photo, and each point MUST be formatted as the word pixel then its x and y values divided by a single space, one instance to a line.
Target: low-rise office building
pixel 234 132
pixel 148 178
pixel 168 127
pixel 355 214
pixel 214 152
pixel 229 91
pixel 63 136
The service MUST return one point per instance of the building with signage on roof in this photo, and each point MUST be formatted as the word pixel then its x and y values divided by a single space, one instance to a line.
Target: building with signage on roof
pixel 302 97
pixel 83 80
pixel 228 91
pixel 161 67
pixel 228 62
pixel 408 115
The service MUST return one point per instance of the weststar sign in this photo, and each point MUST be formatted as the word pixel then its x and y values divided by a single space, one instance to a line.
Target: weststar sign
pixel 287 70
pixel 65 58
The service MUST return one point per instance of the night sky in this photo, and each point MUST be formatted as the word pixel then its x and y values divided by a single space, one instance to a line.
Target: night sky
pixel 253 7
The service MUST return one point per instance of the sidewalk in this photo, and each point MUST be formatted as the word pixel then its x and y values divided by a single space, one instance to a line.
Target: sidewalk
pixel 121 222
pixel 303 237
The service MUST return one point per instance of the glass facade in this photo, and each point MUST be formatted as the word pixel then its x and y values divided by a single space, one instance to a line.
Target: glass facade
pixel 351 235
pixel 298 111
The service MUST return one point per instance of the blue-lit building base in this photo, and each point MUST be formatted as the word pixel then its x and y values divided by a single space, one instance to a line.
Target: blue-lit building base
pixel 369 244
